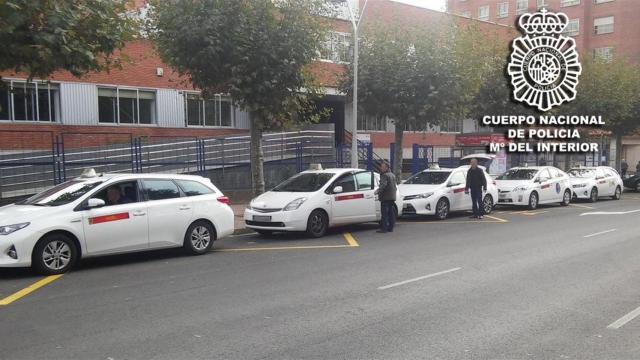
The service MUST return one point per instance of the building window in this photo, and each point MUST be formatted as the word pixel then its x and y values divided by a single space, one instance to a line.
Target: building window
pixel 603 25
pixel 29 101
pixel 503 10
pixel 336 47
pixel 465 13
pixel 208 112
pixel 573 28
pixel 126 106
pixel 602 1
pixel 603 53
pixel 451 126
pixel 522 6
pixel 564 3
pixel 483 13
pixel 372 123
pixel 542 3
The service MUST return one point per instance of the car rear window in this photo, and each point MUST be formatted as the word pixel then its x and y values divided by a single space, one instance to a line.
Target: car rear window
pixel 194 188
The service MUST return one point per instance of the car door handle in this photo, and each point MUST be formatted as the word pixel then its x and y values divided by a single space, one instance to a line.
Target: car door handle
pixel 139 213
pixel 184 207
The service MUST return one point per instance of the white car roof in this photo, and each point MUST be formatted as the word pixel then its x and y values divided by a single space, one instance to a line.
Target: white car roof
pixel 484 156
pixel 333 170
pixel 109 176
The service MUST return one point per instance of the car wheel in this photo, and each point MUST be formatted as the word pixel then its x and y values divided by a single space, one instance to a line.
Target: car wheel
pixel 54 254
pixel 566 198
pixel 593 197
pixel 317 224
pixel 199 238
pixel 442 209
pixel 264 232
pixel 533 201
pixel 617 194
pixel 487 204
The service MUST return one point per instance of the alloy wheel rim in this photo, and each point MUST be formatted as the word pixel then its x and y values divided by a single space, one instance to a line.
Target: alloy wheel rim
pixel 567 197
pixel 488 204
pixel 534 201
pixel 618 192
pixel 594 194
pixel 56 255
pixel 316 224
pixel 200 238
pixel 442 209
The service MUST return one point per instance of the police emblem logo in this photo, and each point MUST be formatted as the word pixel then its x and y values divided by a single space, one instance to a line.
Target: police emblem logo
pixel 544 66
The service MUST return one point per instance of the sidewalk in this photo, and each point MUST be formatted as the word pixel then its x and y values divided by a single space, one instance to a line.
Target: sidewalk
pixel 238 211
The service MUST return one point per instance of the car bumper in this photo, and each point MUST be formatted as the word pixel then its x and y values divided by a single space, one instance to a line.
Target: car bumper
pixel 22 241
pixel 276 221
pixel 418 207
pixel 581 193
pixel 513 198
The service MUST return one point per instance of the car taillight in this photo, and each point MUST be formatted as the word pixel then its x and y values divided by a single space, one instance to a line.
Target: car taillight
pixel 224 200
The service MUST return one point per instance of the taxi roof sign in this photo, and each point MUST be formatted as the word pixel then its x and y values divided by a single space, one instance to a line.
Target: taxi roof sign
pixel 89 173
pixel 315 166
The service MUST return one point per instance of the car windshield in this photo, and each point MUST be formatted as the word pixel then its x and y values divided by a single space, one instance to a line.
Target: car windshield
pixel 305 182
pixel 486 162
pixel 61 194
pixel 582 173
pixel 429 178
pixel 518 174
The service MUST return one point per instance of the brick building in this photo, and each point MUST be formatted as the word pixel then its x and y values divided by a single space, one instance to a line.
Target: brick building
pixel 145 97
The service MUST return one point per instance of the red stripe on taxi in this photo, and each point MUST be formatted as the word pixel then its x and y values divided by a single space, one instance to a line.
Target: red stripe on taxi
pixel 546 186
pixel 349 197
pixel 108 218
pixel 455 191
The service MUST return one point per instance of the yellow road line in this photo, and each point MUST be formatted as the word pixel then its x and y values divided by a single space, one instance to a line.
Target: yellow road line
pixel 497 219
pixel 530 213
pixel 582 206
pixel 350 240
pixel 29 289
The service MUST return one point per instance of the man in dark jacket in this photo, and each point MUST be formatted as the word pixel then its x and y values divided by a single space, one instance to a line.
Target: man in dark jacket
pixel 623 168
pixel 387 195
pixel 477 184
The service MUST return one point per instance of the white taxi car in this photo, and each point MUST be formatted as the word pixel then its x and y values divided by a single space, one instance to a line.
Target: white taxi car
pixel 534 185
pixel 112 213
pixel 314 200
pixel 438 191
pixel 594 182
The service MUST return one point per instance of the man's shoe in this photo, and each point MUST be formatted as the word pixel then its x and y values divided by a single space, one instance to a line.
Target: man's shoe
pixel 480 217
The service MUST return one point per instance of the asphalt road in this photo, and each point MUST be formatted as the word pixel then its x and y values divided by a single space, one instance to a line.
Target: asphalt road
pixel 549 284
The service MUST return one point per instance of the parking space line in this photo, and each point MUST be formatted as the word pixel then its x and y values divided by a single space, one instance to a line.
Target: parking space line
pixel 418 278
pixel 600 233
pixel 582 206
pixel 351 242
pixel 625 319
pixel 497 219
pixel 530 212
pixel 29 289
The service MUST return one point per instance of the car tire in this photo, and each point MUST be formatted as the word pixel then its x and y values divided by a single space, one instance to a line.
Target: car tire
pixel 566 198
pixel 264 232
pixel 533 201
pixel 617 194
pixel 442 209
pixel 317 224
pixel 54 254
pixel 487 204
pixel 593 196
pixel 199 238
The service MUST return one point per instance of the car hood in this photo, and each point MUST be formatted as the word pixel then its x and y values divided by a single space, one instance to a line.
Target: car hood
pixel 577 180
pixel 508 185
pixel 415 189
pixel 278 199
pixel 16 214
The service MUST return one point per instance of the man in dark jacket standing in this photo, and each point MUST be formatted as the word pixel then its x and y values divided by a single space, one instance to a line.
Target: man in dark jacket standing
pixel 387 195
pixel 477 183
pixel 623 168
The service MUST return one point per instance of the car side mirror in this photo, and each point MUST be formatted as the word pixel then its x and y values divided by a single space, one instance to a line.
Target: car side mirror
pixel 337 189
pixel 95 203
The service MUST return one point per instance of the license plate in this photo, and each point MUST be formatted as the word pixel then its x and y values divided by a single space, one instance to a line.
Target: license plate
pixel 502 196
pixel 261 218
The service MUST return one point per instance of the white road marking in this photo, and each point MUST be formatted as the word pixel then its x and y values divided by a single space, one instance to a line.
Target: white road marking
pixel 418 278
pixel 600 233
pixel 625 319
pixel 610 212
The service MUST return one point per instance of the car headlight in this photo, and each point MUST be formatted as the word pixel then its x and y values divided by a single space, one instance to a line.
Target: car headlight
pixel 8 229
pixel 521 188
pixel 418 196
pixel 579 185
pixel 295 204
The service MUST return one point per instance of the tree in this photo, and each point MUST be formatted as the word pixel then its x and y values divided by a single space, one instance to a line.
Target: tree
pixel 419 76
pixel 610 89
pixel 256 51
pixel 39 37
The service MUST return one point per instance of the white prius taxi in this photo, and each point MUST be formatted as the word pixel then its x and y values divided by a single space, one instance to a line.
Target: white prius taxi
pixel 534 185
pixel 438 191
pixel 112 213
pixel 595 182
pixel 314 200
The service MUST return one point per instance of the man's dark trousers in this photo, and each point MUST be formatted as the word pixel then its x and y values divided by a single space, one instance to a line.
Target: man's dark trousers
pixel 388 219
pixel 476 201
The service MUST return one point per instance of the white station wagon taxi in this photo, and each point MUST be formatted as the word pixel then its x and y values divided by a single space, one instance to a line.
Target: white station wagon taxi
pixel 112 213
pixel 594 182
pixel 534 185
pixel 438 191
pixel 314 200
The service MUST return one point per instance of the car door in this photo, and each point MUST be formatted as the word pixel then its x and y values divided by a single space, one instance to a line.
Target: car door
pixel 349 205
pixel 557 184
pixel 547 188
pixel 455 188
pixel 119 226
pixel 169 212
pixel 601 182
pixel 365 182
